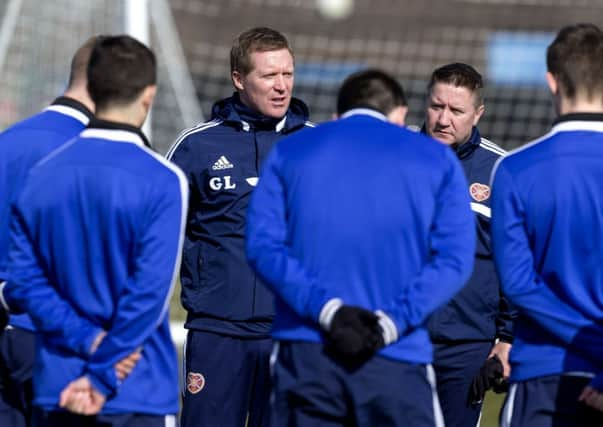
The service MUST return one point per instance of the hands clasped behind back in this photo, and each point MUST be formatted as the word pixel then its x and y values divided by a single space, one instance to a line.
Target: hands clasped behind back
pixel 354 335
pixel 81 397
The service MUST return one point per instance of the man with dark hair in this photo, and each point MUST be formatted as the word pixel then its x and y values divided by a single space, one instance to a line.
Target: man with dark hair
pixel 373 90
pixel 21 146
pixel 96 238
pixel 229 309
pixel 546 229
pixel 361 228
pixel 137 72
pixel 472 334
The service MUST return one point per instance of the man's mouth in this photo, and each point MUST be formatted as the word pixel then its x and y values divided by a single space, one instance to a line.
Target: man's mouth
pixel 278 102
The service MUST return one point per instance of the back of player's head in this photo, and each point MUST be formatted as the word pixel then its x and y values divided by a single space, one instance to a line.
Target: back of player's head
pixel 79 62
pixel 372 89
pixel 120 68
pixel 459 74
pixel 575 59
pixel 259 39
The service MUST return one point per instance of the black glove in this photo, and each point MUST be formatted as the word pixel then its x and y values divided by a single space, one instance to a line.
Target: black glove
pixel 490 376
pixel 354 335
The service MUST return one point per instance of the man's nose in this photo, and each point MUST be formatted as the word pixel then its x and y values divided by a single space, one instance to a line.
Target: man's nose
pixel 444 117
pixel 279 83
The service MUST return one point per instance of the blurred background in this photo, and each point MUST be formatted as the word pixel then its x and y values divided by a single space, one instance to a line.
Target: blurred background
pixel 504 39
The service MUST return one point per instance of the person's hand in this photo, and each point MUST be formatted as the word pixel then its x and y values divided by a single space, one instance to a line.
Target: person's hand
pixel 501 350
pixel 354 334
pixel 592 397
pixel 489 375
pixel 81 397
pixel 124 367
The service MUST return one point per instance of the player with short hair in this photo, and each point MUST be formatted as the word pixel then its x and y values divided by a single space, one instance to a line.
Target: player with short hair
pixel 472 334
pixel 22 146
pixel 546 229
pixel 229 309
pixel 361 228
pixel 96 238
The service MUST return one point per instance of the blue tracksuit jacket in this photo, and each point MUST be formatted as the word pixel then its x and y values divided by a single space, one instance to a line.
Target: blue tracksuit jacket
pixel 546 228
pixel 366 211
pixel 95 245
pixel 21 147
pixel 479 312
pixel 221 160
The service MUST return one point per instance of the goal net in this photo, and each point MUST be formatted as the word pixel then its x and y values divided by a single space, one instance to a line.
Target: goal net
pixel 504 39
pixel 38 39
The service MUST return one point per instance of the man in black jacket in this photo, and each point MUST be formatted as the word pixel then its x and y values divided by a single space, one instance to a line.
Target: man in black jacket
pixel 229 310
pixel 476 325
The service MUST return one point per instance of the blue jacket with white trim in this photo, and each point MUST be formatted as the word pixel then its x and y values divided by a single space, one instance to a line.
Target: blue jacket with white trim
pixel 96 241
pixel 21 147
pixel 546 228
pixel 365 211
pixel 479 312
pixel 221 160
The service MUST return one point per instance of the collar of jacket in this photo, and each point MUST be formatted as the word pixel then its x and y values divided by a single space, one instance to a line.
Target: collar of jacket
pixel 579 117
pixel 464 150
pixel 96 123
pixel 364 111
pixel 76 105
pixel 233 112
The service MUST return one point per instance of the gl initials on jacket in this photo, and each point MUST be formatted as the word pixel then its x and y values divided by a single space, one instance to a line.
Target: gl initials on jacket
pixel 218 183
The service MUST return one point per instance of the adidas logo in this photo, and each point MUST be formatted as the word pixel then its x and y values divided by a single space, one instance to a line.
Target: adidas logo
pixel 222 163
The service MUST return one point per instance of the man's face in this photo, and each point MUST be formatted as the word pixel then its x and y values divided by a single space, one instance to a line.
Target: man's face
pixel 267 87
pixel 451 113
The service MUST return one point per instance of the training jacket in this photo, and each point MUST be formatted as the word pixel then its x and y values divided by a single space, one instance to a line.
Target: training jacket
pixel 96 245
pixel 547 225
pixel 21 147
pixel 478 312
pixel 221 159
pixel 366 211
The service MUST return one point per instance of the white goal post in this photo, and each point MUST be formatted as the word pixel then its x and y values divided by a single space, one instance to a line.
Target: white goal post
pixel 37 40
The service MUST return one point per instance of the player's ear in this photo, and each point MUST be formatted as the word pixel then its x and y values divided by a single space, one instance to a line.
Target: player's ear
pixel 148 95
pixel 398 115
pixel 237 80
pixel 479 111
pixel 552 83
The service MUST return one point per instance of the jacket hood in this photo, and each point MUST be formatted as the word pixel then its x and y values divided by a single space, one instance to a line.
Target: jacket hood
pixel 232 111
